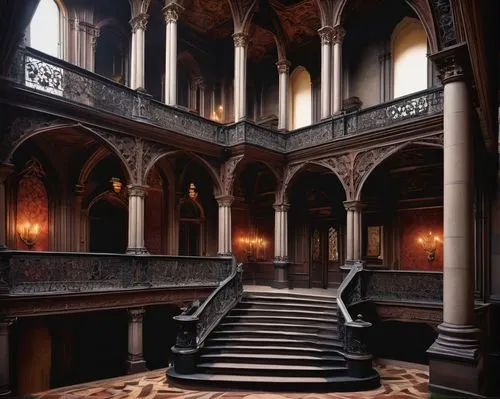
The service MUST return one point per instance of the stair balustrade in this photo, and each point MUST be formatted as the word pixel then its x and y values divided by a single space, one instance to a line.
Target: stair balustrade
pixel 196 323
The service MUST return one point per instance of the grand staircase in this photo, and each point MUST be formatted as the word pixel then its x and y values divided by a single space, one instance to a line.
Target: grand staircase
pixel 276 341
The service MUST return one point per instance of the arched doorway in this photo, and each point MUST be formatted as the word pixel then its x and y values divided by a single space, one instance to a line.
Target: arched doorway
pixel 317 223
pixel 108 226
pixel 191 226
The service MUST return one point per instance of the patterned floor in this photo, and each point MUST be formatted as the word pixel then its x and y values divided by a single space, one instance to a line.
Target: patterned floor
pixel 397 383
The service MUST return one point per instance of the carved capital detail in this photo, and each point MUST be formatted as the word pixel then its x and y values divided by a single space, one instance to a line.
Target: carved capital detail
pixel 137 191
pixel 338 34
pixel 136 315
pixel 326 34
pixel 283 66
pixel 240 39
pixel 283 207
pixel 355 206
pixel 452 64
pixel 227 173
pixel 171 12
pixel 224 200
pixel 139 22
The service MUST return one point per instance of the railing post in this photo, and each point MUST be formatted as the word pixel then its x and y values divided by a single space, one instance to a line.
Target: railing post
pixel 359 359
pixel 185 349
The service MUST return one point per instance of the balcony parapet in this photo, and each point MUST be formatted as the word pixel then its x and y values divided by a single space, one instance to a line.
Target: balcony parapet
pixel 51 76
pixel 25 273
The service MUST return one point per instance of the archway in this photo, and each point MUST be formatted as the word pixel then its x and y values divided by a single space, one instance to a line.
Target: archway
pixel 317 227
pixel 301 98
pixel 108 226
pixel 403 214
pixel 191 225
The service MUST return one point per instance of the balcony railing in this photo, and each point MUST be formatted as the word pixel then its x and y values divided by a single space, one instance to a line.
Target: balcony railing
pixel 36 273
pixel 45 74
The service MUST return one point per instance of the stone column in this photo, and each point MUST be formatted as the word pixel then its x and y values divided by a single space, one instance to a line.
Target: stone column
pixel 135 359
pixel 337 38
pixel 136 195
pixel 87 35
pixel 5 172
pixel 240 75
pixel 353 231
pixel 5 383
pixel 455 358
pixel 326 35
pixel 171 13
pixel 283 75
pixel 225 237
pixel 138 24
pixel 280 245
pixel 77 211
pixel 201 87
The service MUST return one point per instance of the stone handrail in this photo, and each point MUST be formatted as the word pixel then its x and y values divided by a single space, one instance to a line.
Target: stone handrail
pixel 45 273
pixel 48 75
pixel 197 323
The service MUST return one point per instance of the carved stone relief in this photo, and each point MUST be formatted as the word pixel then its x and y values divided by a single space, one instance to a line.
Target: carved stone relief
pixel 227 174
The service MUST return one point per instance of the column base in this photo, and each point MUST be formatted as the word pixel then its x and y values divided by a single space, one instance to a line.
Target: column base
pixel 137 251
pixel 280 274
pixel 136 366
pixel 456 362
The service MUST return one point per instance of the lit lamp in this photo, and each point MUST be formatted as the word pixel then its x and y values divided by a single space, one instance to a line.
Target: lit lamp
pixel 29 234
pixel 217 115
pixel 116 184
pixel 193 193
pixel 253 243
pixel 429 245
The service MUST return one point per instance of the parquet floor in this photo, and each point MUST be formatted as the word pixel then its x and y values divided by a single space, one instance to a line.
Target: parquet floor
pixel 397 383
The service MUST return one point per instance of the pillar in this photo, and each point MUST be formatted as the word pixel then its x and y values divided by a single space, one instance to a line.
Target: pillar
pixel 86 40
pixel 455 358
pixel 5 172
pixel 135 358
pixel 338 35
pixel 171 13
pixel 353 231
pixel 136 196
pixel 77 211
pixel 240 75
pixel 283 79
pixel 201 87
pixel 280 245
pixel 138 24
pixel 326 35
pixel 5 383
pixel 225 237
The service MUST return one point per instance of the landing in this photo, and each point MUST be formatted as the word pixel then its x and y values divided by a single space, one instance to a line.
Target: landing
pixel 330 292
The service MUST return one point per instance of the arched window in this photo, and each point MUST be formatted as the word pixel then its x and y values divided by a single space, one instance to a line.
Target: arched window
pixel 301 100
pixel 45 28
pixel 409 51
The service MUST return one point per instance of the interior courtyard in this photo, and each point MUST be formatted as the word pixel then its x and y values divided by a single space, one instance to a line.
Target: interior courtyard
pixel 249 195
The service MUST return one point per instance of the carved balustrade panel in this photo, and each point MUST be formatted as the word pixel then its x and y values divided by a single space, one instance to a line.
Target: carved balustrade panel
pixel 26 273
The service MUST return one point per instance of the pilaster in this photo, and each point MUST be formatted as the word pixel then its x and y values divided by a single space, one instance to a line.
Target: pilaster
pixel 135 358
pixel 5 171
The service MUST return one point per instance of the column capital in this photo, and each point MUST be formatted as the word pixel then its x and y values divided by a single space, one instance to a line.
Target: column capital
pixel 224 200
pixel 452 63
pixel 283 66
pixel 136 190
pixel 171 12
pixel 199 82
pixel 326 34
pixel 240 39
pixel 355 205
pixel 338 34
pixel 6 169
pixel 136 314
pixel 282 207
pixel 140 21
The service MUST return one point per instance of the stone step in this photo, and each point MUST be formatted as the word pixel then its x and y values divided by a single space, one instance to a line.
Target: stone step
pixel 273 334
pixel 288 327
pixel 288 342
pixel 276 359
pixel 283 312
pixel 290 296
pixel 323 322
pixel 263 304
pixel 278 299
pixel 276 370
pixel 270 349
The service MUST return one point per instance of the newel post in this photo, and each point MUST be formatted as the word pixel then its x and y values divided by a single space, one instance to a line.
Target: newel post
pixel 359 358
pixel 185 349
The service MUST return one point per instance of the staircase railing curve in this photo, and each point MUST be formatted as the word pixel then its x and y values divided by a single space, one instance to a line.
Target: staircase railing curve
pixel 198 321
pixel 353 333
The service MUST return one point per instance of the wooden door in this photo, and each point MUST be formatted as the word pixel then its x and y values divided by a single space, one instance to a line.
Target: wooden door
pixel 325 255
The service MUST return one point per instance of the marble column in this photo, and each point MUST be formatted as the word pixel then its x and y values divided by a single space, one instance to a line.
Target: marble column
pixel 283 75
pixel 171 13
pixel 225 236
pixel 86 38
pixel 338 35
pixel 280 245
pixel 136 196
pixel 326 35
pixel 138 24
pixel 135 358
pixel 455 358
pixel 5 382
pixel 77 219
pixel 353 231
pixel 5 171
pixel 240 75
pixel 201 88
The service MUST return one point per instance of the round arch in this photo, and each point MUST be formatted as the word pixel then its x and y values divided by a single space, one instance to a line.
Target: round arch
pixel 300 97
pixel 368 173
pixel 247 162
pixel 80 128
pixel 420 7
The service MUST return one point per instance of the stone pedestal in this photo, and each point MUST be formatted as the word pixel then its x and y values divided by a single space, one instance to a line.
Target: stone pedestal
pixel 135 359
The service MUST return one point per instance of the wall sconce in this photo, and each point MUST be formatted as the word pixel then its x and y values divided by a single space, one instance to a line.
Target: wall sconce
pixel 253 245
pixel 429 244
pixel 116 184
pixel 193 193
pixel 29 234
